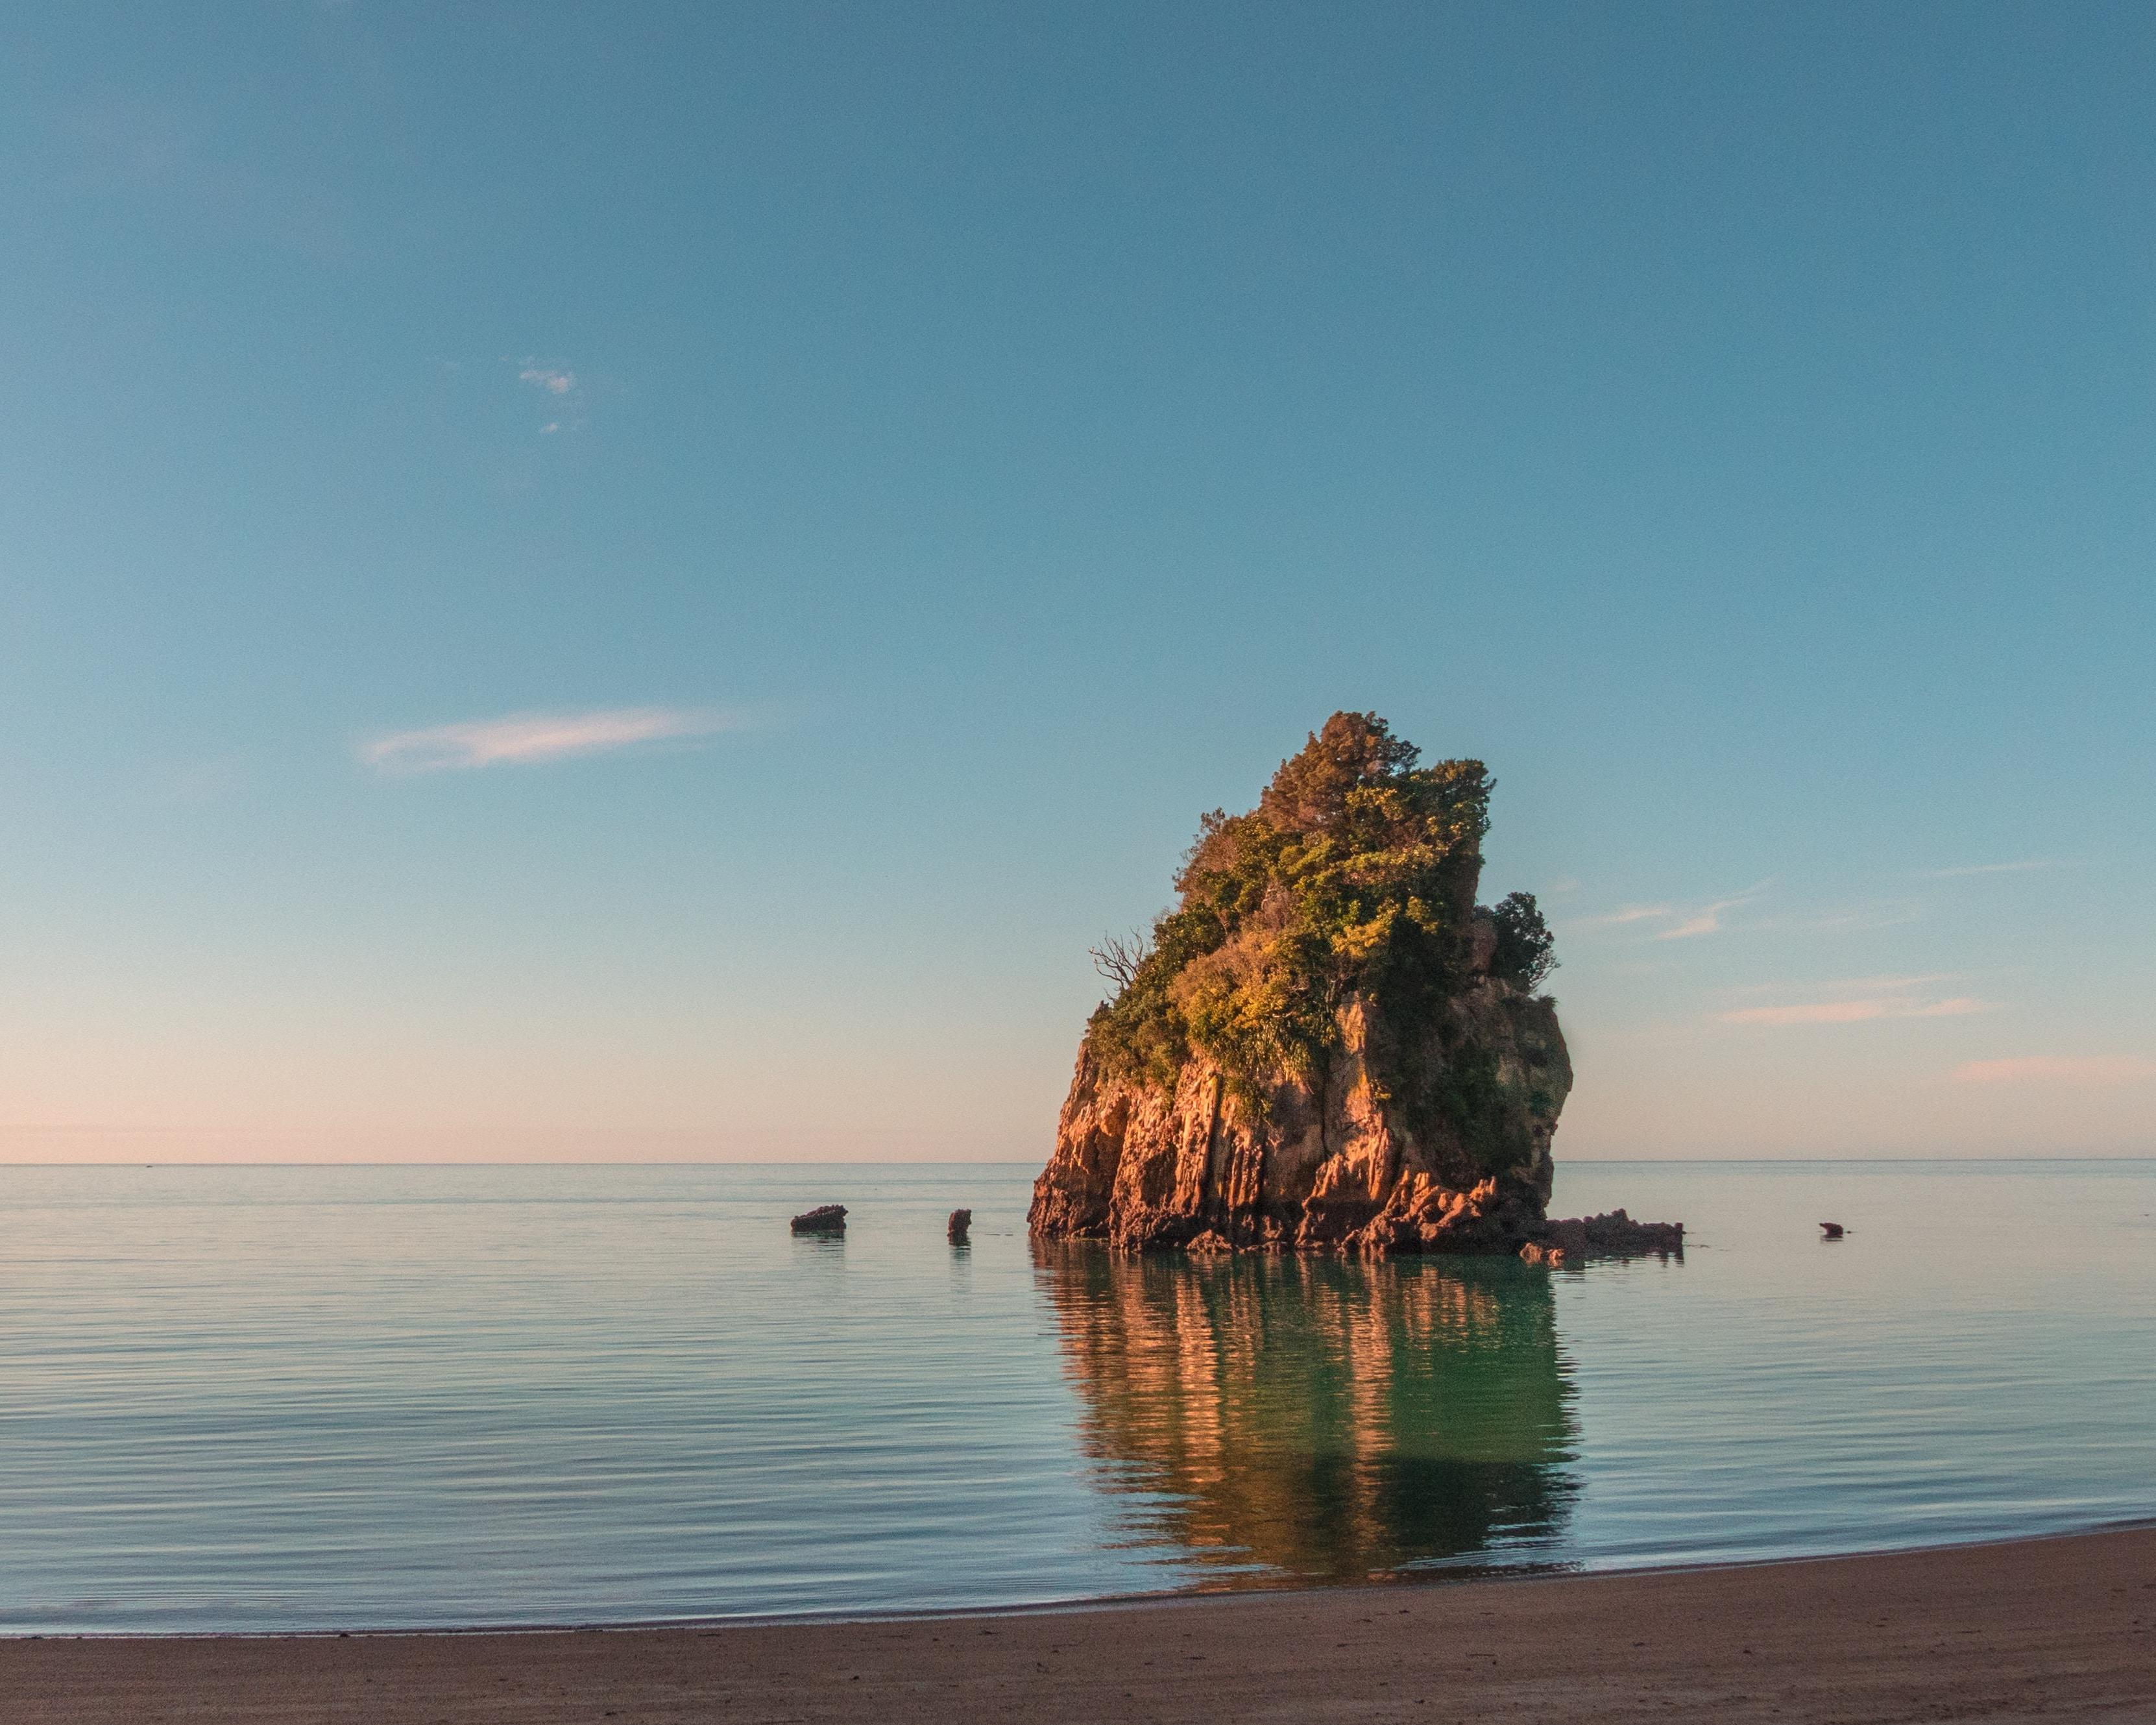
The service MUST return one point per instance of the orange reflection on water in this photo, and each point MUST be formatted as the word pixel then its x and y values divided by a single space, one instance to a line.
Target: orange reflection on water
pixel 1317 1419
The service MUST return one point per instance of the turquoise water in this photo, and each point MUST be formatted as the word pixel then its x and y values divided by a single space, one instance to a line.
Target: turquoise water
pixel 284 1398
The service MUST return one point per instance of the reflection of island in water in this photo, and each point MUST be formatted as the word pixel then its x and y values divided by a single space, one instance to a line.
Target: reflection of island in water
pixel 1319 1419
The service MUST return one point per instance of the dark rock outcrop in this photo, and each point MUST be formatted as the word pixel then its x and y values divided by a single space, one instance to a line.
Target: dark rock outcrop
pixel 1563 1244
pixel 959 1229
pixel 824 1219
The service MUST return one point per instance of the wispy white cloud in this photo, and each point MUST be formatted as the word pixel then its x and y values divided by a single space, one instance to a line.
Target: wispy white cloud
pixel 1707 919
pixel 1845 986
pixel 561 389
pixel 2090 1070
pixel 554 379
pixel 1858 1011
pixel 1889 984
pixel 2029 866
pixel 527 739
pixel 1686 923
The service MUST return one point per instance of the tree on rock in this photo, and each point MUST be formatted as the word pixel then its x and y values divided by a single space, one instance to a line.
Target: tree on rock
pixel 1525 949
pixel 1354 875
pixel 1310 792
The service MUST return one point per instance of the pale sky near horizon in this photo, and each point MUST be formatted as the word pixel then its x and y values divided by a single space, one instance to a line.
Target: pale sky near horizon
pixel 585 582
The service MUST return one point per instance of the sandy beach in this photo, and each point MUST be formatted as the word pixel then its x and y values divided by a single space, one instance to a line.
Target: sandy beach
pixel 2048 1628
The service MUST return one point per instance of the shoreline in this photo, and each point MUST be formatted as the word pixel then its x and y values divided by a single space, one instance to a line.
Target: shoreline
pixel 2063 1626
pixel 1189 1596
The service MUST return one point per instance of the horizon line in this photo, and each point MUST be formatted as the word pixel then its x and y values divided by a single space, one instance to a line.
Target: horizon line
pixel 2145 1156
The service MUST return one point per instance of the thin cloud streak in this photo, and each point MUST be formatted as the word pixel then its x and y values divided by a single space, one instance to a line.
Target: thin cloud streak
pixel 1857 1011
pixel 1891 985
pixel 1707 920
pixel 1971 869
pixel 2089 1070
pixel 529 738
pixel 1689 925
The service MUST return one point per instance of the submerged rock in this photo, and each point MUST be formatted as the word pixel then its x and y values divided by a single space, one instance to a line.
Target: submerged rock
pixel 1327 1043
pixel 825 1218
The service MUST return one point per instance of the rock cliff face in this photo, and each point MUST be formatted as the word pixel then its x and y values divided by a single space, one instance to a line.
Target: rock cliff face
pixel 1327 1044
pixel 1430 1136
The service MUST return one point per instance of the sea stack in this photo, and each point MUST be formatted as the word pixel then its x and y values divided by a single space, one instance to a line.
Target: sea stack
pixel 824 1219
pixel 1325 1043
pixel 959 1229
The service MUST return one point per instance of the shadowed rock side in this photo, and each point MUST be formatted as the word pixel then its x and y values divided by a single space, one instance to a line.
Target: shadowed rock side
pixel 1322 1418
pixel 1456 1159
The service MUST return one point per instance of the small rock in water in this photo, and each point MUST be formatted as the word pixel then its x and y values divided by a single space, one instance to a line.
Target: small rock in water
pixel 825 1218
pixel 1831 1230
pixel 961 1221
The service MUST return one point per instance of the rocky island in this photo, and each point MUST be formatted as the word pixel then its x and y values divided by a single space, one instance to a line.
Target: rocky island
pixel 1326 1043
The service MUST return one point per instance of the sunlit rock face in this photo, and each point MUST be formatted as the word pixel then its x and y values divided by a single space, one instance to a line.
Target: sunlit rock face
pixel 1325 1043
pixel 1319 1419
pixel 1430 1137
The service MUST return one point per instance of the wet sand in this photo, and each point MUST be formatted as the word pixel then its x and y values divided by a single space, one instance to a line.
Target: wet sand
pixel 2049 1629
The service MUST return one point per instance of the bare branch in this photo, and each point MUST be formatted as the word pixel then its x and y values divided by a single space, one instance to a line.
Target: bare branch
pixel 1118 957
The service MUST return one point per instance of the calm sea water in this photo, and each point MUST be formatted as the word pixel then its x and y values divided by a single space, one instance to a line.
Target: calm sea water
pixel 286 1398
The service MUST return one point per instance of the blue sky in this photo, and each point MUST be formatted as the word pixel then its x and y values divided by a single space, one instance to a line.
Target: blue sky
pixel 640 582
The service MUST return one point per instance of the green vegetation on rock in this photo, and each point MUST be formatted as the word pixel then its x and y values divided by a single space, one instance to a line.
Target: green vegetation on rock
pixel 1526 950
pixel 1354 876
